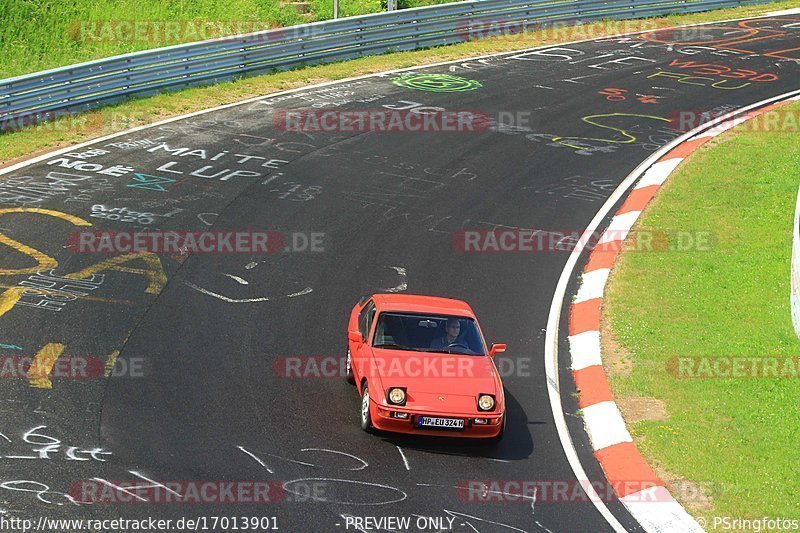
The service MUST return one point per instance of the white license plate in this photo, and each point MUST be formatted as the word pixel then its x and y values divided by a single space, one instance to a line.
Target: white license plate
pixel 435 422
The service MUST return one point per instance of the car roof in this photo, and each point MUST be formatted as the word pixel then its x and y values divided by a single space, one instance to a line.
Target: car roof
pixel 417 303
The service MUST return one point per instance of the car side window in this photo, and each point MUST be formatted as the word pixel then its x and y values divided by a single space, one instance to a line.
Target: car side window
pixel 370 320
pixel 365 318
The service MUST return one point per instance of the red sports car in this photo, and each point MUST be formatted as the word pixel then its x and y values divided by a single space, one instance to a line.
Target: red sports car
pixel 422 366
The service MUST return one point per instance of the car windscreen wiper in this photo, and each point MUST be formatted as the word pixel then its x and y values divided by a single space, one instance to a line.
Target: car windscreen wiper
pixel 395 346
pixel 461 352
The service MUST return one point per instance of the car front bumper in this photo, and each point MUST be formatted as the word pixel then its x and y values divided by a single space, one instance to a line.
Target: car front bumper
pixel 383 419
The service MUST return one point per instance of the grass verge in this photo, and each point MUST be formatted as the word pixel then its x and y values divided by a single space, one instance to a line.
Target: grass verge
pixel 66 131
pixel 736 437
pixel 41 34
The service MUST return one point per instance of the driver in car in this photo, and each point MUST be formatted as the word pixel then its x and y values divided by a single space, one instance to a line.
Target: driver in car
pixel 452 331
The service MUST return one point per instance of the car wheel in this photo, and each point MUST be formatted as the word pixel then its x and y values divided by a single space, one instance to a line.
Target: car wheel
pixel 366 419
pixel 349 373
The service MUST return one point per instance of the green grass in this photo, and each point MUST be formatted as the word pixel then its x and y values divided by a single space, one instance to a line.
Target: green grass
pixel 41 34
pixel 741 435
pixel 323 9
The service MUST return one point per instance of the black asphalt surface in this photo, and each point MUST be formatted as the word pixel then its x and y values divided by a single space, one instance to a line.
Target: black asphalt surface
pixel 210 400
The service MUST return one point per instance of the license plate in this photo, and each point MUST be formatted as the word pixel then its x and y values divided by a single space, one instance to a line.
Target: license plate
pixel 435 422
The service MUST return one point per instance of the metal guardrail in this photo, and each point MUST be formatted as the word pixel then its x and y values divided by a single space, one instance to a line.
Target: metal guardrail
pixel 42 95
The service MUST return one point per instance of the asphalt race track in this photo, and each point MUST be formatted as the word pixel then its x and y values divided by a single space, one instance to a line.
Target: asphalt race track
pixel 205 389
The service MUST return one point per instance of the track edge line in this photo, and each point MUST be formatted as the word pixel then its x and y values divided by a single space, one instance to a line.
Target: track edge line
pixel 610 439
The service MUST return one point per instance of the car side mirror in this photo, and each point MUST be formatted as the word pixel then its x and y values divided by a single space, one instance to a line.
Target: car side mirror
pixel 355 336
pixel 496 349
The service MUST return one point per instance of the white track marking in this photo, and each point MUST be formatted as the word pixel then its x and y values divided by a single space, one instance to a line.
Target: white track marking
pixel 364 464
pixel 155 483
pixel 307 290
pixel 237 279
pixel 403 285
pixel 202 216
pixel 224 298
pixel 259 461
pixel 295 461
pixel 557 304
pixel 121 489
pixel 399 449
pixel 486 490
pixel 324 479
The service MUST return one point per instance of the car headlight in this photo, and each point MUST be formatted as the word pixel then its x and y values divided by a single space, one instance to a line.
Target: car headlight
pixel 396 396
pixel 485 402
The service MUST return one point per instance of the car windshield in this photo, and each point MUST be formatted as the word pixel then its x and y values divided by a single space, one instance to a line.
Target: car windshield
pixel 428 333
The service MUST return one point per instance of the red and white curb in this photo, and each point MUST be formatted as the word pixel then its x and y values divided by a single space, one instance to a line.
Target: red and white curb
pixel 635 483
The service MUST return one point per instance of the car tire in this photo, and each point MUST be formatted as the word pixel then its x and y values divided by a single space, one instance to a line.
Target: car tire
pixel 364 411
pixel 349 372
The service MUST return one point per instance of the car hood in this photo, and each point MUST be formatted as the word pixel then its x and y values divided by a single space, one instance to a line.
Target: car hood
pixel 436 373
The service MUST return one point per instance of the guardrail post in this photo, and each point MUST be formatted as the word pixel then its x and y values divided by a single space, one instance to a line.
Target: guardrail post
pixel 360 38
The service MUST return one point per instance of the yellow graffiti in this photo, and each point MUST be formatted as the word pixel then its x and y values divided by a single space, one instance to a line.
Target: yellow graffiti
pixel 156 277
pixel 110 362
pixel 9 299
pixel 76 296
pixel 152 269
pixel 628 138
pixel 42 365
pixel 43 261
